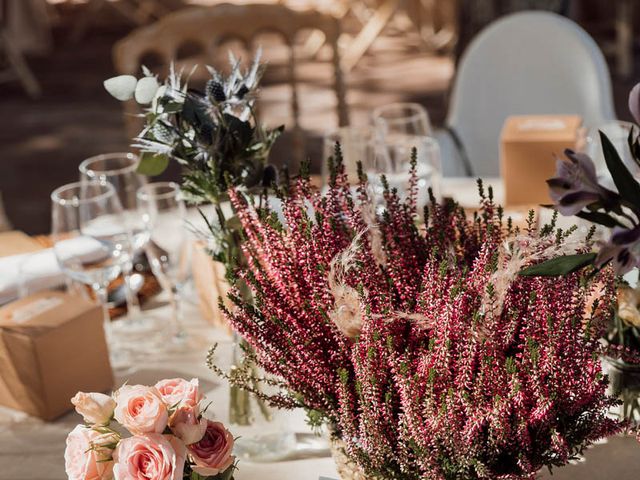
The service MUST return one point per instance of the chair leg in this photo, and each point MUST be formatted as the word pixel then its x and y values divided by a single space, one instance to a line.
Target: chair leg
pixel 624 37
pixel 19 66
pixel 5 224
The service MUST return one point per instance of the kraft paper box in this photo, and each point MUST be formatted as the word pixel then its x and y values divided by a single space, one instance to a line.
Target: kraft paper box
pixel 210 283
pixel 52 345
pixel 15 242
pixel 528 151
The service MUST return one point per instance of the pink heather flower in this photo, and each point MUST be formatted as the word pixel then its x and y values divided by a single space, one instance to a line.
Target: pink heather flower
pixel 151 456
pixel 88 454
pixel 178 391
pixel 456 366
pixel 212 454
pixel 140 409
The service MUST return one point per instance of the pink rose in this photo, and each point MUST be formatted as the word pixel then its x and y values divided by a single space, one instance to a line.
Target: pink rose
pixel 95 408
pixel 180 392
pixel 212 454
pixel 88 455
pixel 150 456
pixel 141 409
pixel 186 425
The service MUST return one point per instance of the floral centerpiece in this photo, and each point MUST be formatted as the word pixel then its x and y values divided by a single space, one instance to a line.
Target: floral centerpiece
pixel 154 432
pixel 422 348
pixel 217 138
pixel 577 190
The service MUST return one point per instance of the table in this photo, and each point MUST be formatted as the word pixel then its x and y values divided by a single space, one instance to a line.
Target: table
pixel 33 450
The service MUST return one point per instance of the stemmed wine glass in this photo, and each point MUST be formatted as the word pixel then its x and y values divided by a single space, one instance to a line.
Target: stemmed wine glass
pixel 402 118
pixel 355 143
pixel 119 170
pixel 391 156
pixel 91 241
pixel 164 212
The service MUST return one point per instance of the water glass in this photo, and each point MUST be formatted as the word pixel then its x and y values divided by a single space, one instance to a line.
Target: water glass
pixel 402 118
pixel 91 240
pixel 163 211
pixel 120 170
pixel 355 143
pixel 392 156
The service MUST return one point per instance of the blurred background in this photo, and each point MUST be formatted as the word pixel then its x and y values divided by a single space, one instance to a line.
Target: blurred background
pixel 55 55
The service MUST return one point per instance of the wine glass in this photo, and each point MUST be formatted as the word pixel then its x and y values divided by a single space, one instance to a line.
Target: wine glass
pixel 120 170
pixel 355 143
pixel 91 242
pixel 402 118
pixel 391 156
pixel 168 248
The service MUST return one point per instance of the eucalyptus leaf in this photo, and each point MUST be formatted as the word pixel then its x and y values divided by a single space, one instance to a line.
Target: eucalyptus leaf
pixel 121 87
pixel 559 266
pixel 152 164
pixel 146 90
pixel 627 186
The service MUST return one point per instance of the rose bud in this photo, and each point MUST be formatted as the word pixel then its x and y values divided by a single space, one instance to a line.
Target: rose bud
pixel 95 408
pixel 186 425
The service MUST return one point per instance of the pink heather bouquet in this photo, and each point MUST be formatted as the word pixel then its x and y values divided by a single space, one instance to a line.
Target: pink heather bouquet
pixel 421 347
pixel 170 439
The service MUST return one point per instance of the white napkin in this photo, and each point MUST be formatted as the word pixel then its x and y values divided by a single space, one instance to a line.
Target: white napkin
pixel 40 270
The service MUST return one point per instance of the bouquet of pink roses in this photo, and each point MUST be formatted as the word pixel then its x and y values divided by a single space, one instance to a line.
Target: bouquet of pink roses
pixel 170 439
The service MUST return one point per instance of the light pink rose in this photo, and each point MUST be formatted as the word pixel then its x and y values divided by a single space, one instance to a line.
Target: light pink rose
pixel 141 409
pixel 180 392
pixel 151 456
pixel 185 424
pixel 87 455
pixel 95 408
pixel 212 454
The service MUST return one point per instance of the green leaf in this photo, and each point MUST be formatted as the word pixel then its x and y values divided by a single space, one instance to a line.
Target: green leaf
pixel 627 186
pixel 559 266
pixel 152 163
pixel 600 218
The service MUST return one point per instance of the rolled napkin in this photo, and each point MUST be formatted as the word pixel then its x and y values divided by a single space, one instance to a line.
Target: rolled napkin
pixel 40 270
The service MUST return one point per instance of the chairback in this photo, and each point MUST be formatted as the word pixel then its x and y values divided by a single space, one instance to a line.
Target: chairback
pixel 526 63
pixel 209 27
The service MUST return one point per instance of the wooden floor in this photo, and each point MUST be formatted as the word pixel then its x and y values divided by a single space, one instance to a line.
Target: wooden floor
pixel 43 141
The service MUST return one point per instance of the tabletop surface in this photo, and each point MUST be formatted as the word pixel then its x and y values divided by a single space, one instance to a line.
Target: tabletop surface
pixel 33 450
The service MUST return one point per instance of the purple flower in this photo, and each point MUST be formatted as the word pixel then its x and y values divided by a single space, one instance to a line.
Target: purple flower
pixel 622 249
pixel 634 102
pixel 575 185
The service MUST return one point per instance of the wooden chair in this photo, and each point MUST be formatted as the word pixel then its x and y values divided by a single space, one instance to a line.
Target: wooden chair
pixel 208 27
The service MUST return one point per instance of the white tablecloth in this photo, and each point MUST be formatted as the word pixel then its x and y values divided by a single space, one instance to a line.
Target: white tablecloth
pixel 33 450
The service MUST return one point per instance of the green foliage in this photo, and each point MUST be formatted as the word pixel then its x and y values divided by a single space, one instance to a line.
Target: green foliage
pixel 625 183
pixel 562 265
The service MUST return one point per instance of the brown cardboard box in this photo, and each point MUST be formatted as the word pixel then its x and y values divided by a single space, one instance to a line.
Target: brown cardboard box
pixel 210 283
pixel 52 345
pixel 16 242
pixel 529 148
